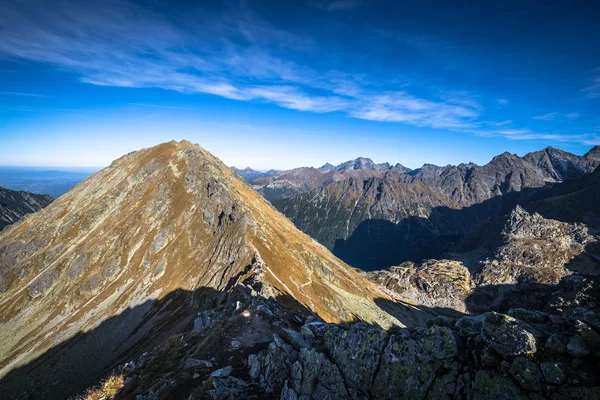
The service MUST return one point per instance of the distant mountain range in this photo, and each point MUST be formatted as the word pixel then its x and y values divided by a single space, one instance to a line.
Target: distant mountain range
pixel 36 180
pixel 373 222
pixel 274 185
pixel 250 174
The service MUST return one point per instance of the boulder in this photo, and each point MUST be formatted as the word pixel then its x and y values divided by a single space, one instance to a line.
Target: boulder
pixel 294 339
pixel 222 373
pixel 196 363
pixel 490 386
pixel 507 336
pixel 531 316
pixel 471 325
pixel 553 372
pixel 357 352
pixel 589 317
pixel 589 336
pixel 409 364
pixel 576 347
pixel 526 372
pixel 271 367
pixel 313 376
pixel 557 343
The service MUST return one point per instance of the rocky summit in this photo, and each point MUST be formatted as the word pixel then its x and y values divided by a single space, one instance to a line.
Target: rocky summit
pixel 129 256
pixel 15 204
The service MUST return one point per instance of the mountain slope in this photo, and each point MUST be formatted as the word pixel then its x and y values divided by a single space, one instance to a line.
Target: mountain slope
pixel 16 204
pixel 156 221
pixel 374 222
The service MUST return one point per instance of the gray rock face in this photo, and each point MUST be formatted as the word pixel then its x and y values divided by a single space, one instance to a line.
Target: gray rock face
pixel 16 204
pixel 553 372
pixel 272 367
pixel 507 336
pixel 357 353
pixel 490 386
pixel 409 365
pixel 527 373
pixel 471 325
pixel 576 347
pixel 531 316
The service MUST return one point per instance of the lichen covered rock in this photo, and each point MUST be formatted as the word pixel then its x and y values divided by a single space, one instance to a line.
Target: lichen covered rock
pixel 507 336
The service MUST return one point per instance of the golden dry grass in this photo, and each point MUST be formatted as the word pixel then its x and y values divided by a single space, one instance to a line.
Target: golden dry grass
pixel 107 390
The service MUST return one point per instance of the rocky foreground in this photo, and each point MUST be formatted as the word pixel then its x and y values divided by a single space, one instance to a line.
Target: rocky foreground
pixel 254 347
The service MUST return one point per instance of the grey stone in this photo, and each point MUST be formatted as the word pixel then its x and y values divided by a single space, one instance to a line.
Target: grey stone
pixel 553 372
pixel 490 386
pixel 557 343
pixel 576 347
pixel 357 352
pixel 526 372
pixel 409 364
pixel 222 373
pixel 471 325
pixel 530 316
pixel 196 363
pixel 294 338
pixel 589 336
pixel 507 336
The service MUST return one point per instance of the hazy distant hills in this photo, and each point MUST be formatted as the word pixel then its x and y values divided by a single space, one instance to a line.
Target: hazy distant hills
pixel 250 174
pixel 383 220
pixel 36 180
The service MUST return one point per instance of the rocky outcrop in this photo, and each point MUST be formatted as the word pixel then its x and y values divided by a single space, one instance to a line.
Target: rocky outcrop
pixel 14 205
pixel 531 251
pixel 535 249
pixel 499 360
pixel 433 283
pixel 488 356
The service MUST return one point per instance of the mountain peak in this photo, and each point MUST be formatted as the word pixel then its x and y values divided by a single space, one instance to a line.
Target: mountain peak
pixel 158 220
pixel 594 152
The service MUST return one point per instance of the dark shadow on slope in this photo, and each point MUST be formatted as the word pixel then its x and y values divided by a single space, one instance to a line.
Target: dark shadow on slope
pixel 77 363
pixel 82 361
pixel 379 243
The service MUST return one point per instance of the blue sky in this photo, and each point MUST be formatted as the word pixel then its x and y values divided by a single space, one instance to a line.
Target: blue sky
pixel 275 84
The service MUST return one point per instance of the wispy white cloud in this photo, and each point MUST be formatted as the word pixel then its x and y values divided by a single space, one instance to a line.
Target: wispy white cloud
pixel 21 94
pixel 160 106
pixel 546 117
pixel 593 90
pixel 553 115
pixel 241 57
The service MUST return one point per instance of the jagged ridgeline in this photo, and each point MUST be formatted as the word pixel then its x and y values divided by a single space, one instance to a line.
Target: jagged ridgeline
pixel 382 219
pixel 141 238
